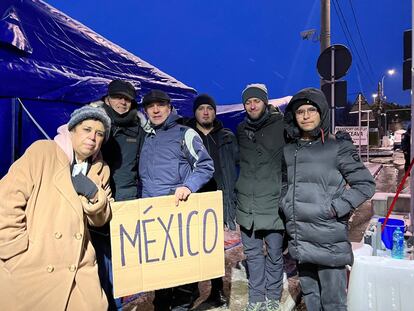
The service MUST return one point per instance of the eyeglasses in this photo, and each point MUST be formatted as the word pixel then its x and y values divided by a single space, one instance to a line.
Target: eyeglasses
pixel 311 112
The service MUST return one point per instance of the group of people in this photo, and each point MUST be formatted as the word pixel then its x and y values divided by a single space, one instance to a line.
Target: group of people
pixel 280 174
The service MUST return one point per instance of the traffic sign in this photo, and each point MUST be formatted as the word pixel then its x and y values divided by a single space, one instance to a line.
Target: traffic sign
pixel 341 58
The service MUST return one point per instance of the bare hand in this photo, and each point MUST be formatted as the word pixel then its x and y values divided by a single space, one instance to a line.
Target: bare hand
pixel 181 194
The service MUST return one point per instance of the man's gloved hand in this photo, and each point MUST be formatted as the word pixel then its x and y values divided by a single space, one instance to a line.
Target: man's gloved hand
pixel 84 186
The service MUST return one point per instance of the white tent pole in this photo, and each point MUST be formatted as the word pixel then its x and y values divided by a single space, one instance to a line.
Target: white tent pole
pixel 33 120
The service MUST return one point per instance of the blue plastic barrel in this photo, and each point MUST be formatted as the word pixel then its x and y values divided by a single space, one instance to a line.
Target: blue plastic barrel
pixel 391 225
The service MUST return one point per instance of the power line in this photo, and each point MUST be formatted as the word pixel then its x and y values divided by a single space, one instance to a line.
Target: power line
pixel 360 37
pixel 350 41
pixel 350 37
pixel 358 70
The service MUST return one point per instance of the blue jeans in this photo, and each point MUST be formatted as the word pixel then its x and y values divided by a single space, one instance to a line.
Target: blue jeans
pixel 102 244
pixel 265 271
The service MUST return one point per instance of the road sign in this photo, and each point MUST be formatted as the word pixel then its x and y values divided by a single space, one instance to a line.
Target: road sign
pixel 340 93
pixel 341 57
pixel 354 132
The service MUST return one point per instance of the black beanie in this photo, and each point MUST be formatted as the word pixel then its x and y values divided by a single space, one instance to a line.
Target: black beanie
pixel 204 99
pixel 303 101
pixel 256 90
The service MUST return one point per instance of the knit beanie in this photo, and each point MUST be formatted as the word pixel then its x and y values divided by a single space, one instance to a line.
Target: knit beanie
pixel 303 101
pixel 256 90
pixel 90 113
pixel 204 99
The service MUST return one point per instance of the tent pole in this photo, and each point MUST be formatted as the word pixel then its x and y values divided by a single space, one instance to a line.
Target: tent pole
pixel 13 130
pixel 16 118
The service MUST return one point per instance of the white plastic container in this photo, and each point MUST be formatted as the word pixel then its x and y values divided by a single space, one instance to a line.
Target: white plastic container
pixel 381 284
pixel 361 249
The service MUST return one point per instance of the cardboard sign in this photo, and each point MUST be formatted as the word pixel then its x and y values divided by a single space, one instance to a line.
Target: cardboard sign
pixel 355 134
pixel 156 244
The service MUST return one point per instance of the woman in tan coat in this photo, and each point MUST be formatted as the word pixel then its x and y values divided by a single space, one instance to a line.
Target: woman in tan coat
pixel 48 197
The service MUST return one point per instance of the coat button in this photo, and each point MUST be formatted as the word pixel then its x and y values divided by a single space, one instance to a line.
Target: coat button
pixel 58 235
pixel 72 268
pixel 50 268
pixel 78 236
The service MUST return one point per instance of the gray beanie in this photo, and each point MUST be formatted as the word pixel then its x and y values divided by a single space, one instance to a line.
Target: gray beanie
pixel 257 90
pixel 90 113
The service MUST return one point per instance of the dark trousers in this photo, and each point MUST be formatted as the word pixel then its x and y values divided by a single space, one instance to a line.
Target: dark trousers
pixel 407 161
pixel 102 244
pixel 323 288
pixel 179 298
pixel 217 285
pixel 265 271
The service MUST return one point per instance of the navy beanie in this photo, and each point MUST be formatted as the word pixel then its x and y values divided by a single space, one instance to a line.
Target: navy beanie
pixel 204 99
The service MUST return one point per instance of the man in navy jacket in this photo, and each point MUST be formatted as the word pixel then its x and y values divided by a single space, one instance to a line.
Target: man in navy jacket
pixel 173 161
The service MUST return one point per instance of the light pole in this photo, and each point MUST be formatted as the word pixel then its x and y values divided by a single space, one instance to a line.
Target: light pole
pixel 390 72
pixel 384 114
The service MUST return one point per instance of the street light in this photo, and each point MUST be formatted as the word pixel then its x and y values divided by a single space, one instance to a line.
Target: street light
pixel 384 114
pixel 390 72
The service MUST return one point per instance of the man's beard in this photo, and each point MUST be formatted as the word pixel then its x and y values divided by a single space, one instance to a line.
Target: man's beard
pixel 206 125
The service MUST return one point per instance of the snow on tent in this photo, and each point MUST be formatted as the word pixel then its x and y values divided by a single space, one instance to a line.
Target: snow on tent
pixel 232 115
pixel 51 64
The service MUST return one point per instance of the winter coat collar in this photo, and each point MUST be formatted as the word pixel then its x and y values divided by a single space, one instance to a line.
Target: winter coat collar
pixel 273 115
pixel 172 119
pixel 217 125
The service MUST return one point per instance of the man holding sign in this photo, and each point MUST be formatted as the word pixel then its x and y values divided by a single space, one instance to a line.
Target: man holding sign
pixel 173 161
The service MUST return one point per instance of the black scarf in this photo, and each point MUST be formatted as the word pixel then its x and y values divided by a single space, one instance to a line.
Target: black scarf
pixel 121 120
pixel 260 121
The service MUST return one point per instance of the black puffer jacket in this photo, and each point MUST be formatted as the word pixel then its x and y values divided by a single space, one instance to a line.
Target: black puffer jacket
pixel 121 152
pixel 225 144
pixel 318 202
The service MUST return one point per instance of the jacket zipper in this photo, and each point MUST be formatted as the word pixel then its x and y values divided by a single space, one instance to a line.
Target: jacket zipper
pixel 294 196
pixel 293 201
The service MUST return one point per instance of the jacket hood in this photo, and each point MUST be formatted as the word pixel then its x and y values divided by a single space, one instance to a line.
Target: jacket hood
pixel 318 99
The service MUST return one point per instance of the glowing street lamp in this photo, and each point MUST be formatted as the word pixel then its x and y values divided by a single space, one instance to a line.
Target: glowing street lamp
pixel 390 72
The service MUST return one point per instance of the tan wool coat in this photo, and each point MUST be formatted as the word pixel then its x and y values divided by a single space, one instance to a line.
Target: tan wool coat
pixel 47 261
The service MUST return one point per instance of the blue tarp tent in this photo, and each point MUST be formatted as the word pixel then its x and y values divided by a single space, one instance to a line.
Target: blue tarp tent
pixel 50 64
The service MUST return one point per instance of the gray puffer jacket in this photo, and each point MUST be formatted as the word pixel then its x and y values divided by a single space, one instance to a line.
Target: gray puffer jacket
pixel 318 201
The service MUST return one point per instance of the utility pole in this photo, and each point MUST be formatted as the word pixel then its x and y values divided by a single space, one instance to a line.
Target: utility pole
pixel 412 127
pixel 325 42
pixel 359 122
pixel 325 38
